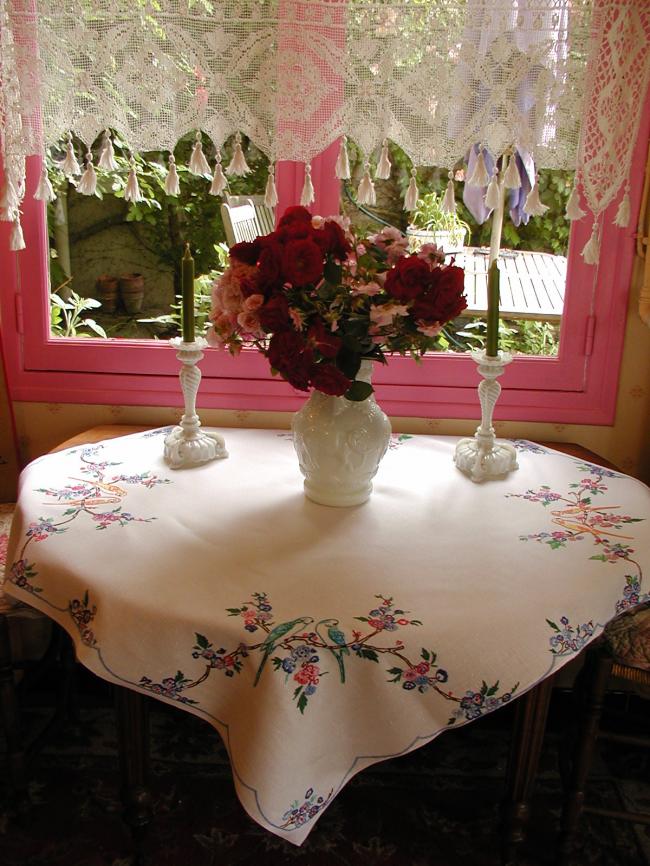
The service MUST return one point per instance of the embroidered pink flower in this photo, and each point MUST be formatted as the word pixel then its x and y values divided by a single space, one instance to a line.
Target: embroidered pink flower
pixel 308 674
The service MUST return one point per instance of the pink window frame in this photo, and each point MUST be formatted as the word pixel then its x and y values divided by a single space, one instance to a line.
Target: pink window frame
pixel 577 387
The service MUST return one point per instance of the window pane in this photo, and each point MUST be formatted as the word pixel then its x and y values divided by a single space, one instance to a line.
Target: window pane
pixel 115 265
pixel 532 263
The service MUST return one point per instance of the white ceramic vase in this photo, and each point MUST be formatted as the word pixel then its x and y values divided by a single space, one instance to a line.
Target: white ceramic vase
pixel 340 444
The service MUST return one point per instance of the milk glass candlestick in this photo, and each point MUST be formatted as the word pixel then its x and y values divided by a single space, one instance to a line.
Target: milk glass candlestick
pixel 187 444
pixel 187 288
pixel 483 456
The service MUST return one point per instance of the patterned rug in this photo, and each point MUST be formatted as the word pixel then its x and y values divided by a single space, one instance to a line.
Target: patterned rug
pixel 435 807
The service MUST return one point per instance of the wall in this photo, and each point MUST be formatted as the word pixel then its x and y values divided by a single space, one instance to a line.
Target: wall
pixel 627 443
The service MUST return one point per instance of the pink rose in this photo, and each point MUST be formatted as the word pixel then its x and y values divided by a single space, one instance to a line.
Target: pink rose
pixel 253 302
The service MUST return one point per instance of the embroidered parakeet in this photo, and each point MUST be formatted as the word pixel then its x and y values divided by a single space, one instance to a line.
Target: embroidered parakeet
pixel 335 636
pixel 275 636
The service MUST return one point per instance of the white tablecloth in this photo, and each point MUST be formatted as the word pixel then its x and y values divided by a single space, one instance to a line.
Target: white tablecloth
pixel 320 640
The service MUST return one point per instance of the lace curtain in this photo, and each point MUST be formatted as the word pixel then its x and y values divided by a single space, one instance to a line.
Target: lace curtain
pixel 510 83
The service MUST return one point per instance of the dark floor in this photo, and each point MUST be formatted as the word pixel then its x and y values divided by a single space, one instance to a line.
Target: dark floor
pixel 438 806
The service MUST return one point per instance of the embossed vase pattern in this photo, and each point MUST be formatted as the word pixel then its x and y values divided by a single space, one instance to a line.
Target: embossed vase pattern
pixel 340 444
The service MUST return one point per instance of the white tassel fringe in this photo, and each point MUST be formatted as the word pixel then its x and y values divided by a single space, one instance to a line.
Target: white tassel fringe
pixel 384 165
pixel 9 201
pixel 622 218
pixel 573 209
pixel 591 251
pixel 512 178
pixel 172 186
pixel 70 166
pixel 238 165
pixel 270 193
pixel 412 193
pixel 492 194
pixel 342 168
pixel 107 154
pixel 44 190
pixel 132 192
pixel 219 181
pixel 479 176
pixel 449 200
pixel 307 197
pixel 88 183
pixel 17 241
pixel 533 205
pixel 198 164
pixel 366 191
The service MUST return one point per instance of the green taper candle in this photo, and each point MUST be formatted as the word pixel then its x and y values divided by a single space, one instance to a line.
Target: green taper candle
pixel 492 341
pixel 187 270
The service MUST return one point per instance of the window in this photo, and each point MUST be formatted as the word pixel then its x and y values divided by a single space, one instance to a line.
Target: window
pixel 577 386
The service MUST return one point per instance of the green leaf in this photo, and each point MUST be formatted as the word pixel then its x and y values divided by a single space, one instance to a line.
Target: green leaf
pixel 202 641
pixel 348 362
pixel 552 624
pixel 302 702
pixel 358 391
pixel 369 654
pixel 425 655
pixel 332 272
pixel 92 324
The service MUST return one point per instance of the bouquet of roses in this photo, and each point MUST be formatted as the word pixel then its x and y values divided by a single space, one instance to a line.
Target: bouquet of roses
pixel 316 300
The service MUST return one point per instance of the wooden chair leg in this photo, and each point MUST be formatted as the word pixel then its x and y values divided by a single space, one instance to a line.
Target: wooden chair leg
pixel 596 673
pixel 132 714
pixel 10 714
pixel 523 760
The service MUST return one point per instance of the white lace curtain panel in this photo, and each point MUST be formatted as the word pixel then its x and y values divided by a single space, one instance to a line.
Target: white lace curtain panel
pixel 507 84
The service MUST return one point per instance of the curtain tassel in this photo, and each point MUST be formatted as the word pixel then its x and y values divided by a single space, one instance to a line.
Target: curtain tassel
pixel 449 200
pixel 512 178
pixel 533 205
pixel 9 201
pixel 107 153
pixel 172 186
pixel 307 197
pixel 219 182
pixel 412 193
pixel 198 164
pixel 88 183
pixel 342 168
pixel 622 218
pixel 17 241
pixel 132 192
pixel 591 250
pixel 366 190
pixel 492 194
pixel 270 193
pixel 238 165
pixel 573 209
pixel 479 176
pixel 70 166
pixel 44 190
pixel 384 165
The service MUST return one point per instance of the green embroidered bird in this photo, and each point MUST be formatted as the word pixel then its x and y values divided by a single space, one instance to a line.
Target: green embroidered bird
pixel 275 636
pixel 336 636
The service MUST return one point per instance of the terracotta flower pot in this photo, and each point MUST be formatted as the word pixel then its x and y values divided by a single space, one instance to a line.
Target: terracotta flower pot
pixel 132 292
pixel 107 290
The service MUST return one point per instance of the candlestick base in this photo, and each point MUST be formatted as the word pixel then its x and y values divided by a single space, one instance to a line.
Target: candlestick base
pixel 187 444
pixel 483 456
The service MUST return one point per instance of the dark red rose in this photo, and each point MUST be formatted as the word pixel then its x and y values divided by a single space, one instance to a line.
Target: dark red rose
pixel 320 336
pixel 247 251
pixel 249 285
pixel 296 214
pixel 291 357
pixel 329 379
pixel 444 299
pixel 302 262
pixel 269 266
pixel 294 232
pixel 408 279
pixel 331 239
pixel 274 314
